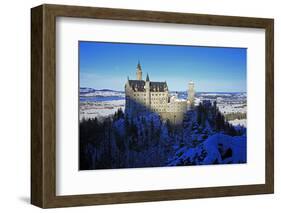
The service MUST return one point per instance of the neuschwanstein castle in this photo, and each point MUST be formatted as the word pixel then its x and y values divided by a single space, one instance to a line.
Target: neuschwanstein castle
pixel 143 95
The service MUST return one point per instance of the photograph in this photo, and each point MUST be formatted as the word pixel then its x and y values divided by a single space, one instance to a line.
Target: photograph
pixel 161 105
pixel 148 104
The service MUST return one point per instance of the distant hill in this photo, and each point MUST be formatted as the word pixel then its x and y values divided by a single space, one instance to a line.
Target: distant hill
pixel 88 89
pixel 91 92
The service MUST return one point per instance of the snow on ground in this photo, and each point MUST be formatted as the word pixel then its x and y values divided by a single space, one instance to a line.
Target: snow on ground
pixel 103 94
pixel 197 101
pixel 241 122
pixel 216 94
pixel 219 148
pixel 100 109
pixel 232 108
pixel 229 104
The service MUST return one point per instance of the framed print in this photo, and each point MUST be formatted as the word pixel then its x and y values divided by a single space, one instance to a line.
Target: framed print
pixel 135 106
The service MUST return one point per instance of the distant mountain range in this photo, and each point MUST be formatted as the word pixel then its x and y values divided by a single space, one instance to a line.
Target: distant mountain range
pixel 90 92
pixel 87 90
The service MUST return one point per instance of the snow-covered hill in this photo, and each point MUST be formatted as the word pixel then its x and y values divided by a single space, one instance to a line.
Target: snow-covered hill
pixel 217 149
pixel 90 92
pixel 100 103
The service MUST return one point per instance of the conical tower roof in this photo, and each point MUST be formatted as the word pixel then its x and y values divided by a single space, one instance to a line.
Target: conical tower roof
pixel 139 65
pixel 147 77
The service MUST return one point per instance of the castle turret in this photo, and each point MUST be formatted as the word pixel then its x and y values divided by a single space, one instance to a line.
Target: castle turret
pixel 139 72
pixel 127 85
pixel 191 92
pixel 147 77
pixel 147 90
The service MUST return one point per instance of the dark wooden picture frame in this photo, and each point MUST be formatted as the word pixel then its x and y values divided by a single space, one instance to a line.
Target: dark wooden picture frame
pixel 43 105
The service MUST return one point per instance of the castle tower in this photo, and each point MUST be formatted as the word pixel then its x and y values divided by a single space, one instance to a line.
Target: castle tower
pixel 147 90
pixel 139 72
pixel 191 92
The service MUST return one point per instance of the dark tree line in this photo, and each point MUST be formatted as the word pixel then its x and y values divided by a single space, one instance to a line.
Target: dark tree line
pixel 235 115
pixel 122 142
pixel 209 113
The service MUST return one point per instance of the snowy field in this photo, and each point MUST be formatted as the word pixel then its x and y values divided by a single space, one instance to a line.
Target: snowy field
pixel 102 103
pixel 241 122
pixel 233 108
pixel 100 109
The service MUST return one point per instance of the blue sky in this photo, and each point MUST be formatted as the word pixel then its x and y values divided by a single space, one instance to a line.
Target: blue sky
pixel 213 69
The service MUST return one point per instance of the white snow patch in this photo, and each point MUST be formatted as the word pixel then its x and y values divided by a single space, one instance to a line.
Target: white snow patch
pixel 100 109
pixel 237 122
